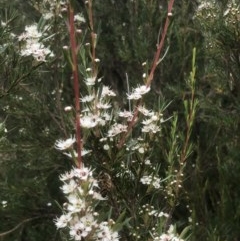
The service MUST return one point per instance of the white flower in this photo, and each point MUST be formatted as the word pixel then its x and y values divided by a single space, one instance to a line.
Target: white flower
pixel 154 118
pixel 103 105
pixel 82 173
pixel 105 233
pixel 138 92
pixel 126 114
pixel 89 121
pixel 90 81
pixel 83 227
pixel 134 96
pixel 87 98
pixel 141 150
pixel 116 129
pixel 68 188
pixel 170 236
pixel 63 221
pixel 146 180
pixel 73 198
pixel 101 122
pixel 31 32
pixel 66 176
pixel 145 111
pixel 106 147
pixel 76 204
pixel 79 18
pixel 33 47
pixel 151 128
pixel 47 15
pixel 150 180
pixel 156 182
pixel 147 162
pixel 147 121
pixel 142 89
pixel 68 108
pixel 106 91
pixel 63 145
pixel 106 116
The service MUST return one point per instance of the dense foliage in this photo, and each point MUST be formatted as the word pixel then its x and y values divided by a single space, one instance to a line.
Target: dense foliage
pixel 197 145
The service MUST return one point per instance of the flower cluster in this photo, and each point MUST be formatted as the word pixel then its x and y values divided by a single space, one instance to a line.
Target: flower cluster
pixel 207 9
pixel 232 14
pixel 80 218
pixel 95 106
pixel 148 213
pixel 52 8
pixel 151 121
pixel 151 180
pixel 33 45
pixel 210 11
pixel 169 236
pixel 138 92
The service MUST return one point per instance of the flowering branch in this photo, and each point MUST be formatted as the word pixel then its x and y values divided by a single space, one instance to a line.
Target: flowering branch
pixel 150 77
pixel 76 83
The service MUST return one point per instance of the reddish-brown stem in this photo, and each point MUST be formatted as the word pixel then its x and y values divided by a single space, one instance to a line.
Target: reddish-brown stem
pixel 76 84
pixel 160 44
pixel 150 77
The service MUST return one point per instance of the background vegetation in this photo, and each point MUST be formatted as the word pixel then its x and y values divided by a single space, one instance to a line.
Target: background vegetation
pixel 33 96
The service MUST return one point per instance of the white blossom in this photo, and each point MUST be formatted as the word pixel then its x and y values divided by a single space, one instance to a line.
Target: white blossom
pixel 87 98
pixel 105 233
pixel 63 145
pixel 104 106
pixel 138 92
pixel 106 147
pixel 83 227
pixel 90 81
pixel 126 114
pixel 106 91
pixel 63 221
pixel 116 129
pixel 79 18
pixel 146 180
pixel 68 188
pixel 89 121
pixel 151 128
pixel 145 111
pixel 33 45
pixel 82 173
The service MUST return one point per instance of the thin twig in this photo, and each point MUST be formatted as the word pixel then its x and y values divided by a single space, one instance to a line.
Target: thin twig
pixel 160 44
pixel 19 225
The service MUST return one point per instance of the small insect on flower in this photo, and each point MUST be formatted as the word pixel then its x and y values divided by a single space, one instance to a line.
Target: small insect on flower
pixel 105 183
pixel 63 145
